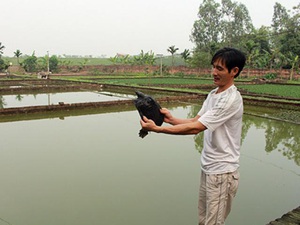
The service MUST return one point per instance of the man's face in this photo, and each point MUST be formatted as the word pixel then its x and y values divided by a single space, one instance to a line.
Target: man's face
pixel 222 77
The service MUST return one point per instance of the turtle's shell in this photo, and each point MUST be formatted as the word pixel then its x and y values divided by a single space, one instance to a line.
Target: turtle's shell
pixel 147 106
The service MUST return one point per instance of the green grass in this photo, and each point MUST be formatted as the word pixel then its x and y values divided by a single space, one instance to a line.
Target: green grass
pixel 281 90
pixel 274 89
pixel 156 81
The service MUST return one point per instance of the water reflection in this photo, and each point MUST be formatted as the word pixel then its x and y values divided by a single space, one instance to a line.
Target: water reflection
pixel 23 100
pixel 2 102
pixel 19 97
pixel 92 168
pixel 280 136
pixel 79 96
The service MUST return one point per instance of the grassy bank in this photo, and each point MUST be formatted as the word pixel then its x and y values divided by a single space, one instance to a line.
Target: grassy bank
pixel 280 90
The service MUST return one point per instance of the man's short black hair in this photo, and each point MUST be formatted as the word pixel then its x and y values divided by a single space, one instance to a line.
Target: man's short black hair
pixel 231 58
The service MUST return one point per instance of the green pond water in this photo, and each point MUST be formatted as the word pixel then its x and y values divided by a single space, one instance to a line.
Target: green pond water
pixel 92 168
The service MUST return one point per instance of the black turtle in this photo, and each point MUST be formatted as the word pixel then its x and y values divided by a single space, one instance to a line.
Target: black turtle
pixel 147 106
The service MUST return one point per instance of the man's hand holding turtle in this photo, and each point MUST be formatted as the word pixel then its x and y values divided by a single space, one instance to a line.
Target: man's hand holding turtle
pixel 149 125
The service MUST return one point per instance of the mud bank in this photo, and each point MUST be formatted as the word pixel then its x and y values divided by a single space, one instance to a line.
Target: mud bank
pixel 290 218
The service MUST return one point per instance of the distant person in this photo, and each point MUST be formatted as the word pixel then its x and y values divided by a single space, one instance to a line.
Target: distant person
pixel 221 120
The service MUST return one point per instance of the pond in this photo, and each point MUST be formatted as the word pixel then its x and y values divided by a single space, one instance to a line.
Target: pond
pixel 94 169
pixel 23 100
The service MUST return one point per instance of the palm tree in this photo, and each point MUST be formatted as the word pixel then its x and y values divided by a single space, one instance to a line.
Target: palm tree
pixel 172 50
pixel 17 54
pixel 185 55
pixel 1 49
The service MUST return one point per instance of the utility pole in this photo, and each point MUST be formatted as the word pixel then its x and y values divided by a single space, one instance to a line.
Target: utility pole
pixel 48 64
pixel 160 55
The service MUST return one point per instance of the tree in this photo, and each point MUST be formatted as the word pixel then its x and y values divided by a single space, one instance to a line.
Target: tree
pixel 206 30
pixel 185 55
pixel 147 58
pixel 262 37
pixel 286 29
pixel 30 63
pixel 235 23
pixel 252 52
pixel 291 40
pixel 114 59
pixel 280 18
pixel 83 64
pixel 3 65
pixel 294 60
pixel 219 25
pixel 200 59
pixel 2 47
pixel 17 54
pixel 53 63
pixel 256 45
pixel 172 49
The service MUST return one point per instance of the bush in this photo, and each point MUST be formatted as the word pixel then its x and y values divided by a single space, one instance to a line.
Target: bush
pixel 270 76
pixel 30 64
pixel 3 65
pixel 179 74
pixel 53 63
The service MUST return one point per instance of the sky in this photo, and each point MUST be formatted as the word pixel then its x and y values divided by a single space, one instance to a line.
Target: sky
pixel 104 28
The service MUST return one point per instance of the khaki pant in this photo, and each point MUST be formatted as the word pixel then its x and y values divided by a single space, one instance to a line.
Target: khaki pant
pixel 215 197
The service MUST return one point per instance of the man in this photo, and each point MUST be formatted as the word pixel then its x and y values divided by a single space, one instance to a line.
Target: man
pixel 221 120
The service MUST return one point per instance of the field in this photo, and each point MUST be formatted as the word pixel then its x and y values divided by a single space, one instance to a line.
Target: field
pixel 168 81
pixel 274 89
pixel 281 90
pixel 285 97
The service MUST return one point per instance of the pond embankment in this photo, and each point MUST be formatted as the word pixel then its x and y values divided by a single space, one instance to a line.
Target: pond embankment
pixel 290 218
pixel 181 95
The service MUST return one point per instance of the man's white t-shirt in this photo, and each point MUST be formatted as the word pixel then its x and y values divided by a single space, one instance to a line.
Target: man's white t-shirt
pixel 222 114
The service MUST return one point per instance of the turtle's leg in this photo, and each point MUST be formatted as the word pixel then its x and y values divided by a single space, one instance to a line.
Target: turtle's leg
pixel 143 133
